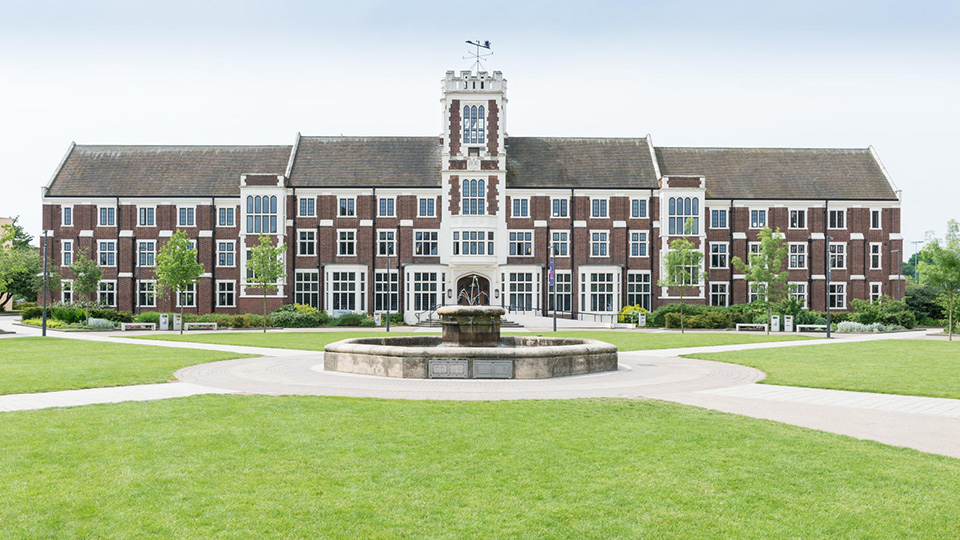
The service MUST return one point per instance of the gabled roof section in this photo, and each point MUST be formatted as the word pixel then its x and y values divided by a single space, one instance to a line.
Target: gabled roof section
pixel 781 173
pixel 163 171
pixel 366 161
pixel 579 163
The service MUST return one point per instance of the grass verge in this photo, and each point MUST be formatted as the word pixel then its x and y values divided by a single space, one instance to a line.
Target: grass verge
pixel 626 341
pixel 308 467
pixel 913 367
pixel 44 364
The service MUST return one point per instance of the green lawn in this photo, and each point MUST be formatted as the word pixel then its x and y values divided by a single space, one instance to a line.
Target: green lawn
pixel 308 467
pixel 35 364
pixel 626 341
pixel 912 367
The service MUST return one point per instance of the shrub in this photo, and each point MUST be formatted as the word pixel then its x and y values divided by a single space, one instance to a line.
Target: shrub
pixel 922 301
pixel 630 314
pixel 851 326
pixel 149 317
pixel 657 318
pixel 69 315
pixel 51 323
pixel 112 315
pixel 100 323
pixel 810 317
pixel 351 319
pixel 23 305
pixel 885 310
pixel 223 320
pixel 295 319
pixel 33 313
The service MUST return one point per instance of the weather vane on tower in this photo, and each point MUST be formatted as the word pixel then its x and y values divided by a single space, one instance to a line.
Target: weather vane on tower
pixel 477 56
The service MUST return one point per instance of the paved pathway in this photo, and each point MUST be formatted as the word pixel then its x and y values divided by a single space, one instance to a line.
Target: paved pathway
pixel 926 424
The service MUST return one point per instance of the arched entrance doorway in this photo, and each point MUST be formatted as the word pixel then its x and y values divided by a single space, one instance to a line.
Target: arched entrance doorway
pixel 474 290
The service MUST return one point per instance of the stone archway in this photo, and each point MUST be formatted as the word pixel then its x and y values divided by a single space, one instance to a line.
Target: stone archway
pixel 473 289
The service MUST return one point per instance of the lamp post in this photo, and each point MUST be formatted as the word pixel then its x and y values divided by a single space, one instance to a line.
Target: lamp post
pixel 899 270
pixel 389 284
pixel 828 265
pixel 553 282
pixel 44 324
pixel 916 259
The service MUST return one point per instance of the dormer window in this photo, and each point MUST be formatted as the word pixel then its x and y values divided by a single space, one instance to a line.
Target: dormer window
pixel 473 124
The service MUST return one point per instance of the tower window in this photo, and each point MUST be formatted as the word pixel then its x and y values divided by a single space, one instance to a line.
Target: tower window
pixel 473 198
pixel 473 124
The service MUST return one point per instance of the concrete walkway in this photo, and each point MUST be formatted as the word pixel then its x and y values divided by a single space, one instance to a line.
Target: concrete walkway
pixel 926 424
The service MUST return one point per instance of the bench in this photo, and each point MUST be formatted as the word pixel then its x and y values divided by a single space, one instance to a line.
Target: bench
pixel 758 326
pixel 811 327
pixel 200 326
pixel 138 326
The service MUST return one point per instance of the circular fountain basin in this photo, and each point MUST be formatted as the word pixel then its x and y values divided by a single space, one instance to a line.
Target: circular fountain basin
pixel 512 357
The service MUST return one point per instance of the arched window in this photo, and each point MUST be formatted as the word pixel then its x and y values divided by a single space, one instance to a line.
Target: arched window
pixel 480 125
pixel 262 214
pixel 466 124
pixel 683 216
pixel 474 122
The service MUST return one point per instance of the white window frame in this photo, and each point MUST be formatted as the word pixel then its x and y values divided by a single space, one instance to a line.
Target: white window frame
pixel 715 294
pixel 523 203
pixel 522 291
pixel 792 288
pixel 641 204
pixel 643 245
pixel 466 200
pixel 387 207
pixel 391 242
pixel 879 287
pixel 340 243
pixel 64 251
pixel 604 243
pixel 341 210
pixel 433 241
pixel 114 251
pixel 301 243
pixel 725 212
pixel 601 210
pixel 726 255
pixel 842 297
pixel 589 296
pixel 228 211
pixel 878 255
pixel 565 206
pixel 188 208
pixel 101 292
pixel 232 293
pixel 432 203
pixel 564 291
pixel 155 245
pixel 359 291
pixel 66 288
pixel 790 255
pixel 100 209
pixel 842 213
pixel 752 248
pixel 677 219
pixel 232 251
pixel 485 244
pixel 831 254
pixel 63 215
pixel 190 294
pixel 141 209
pixel 300 287
pixel 645 284
pixel 565 250
pixel 311 209
pixel 153 293
pixel 511 242
pixel 392 292
pixel 754 290
pixel 755 225
pixel 802 211
pixel 879 213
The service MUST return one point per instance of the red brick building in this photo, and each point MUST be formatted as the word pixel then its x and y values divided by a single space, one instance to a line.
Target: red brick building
pixel 472 213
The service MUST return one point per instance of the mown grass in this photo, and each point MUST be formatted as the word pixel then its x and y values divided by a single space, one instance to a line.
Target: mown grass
pixel 912 367
pixel 43 364
pixel 626 341
pixel 310 467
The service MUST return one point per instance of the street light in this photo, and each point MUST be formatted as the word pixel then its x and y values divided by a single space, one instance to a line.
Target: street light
pixel 916 259
pixel 827 288
pixel 899 271
pixel 44 325
pixel 389 284
pixel 553 282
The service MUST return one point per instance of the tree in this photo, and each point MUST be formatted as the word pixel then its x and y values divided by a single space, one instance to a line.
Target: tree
pixel 943 272
pixel 266 267
pixel 15 236
pixel 682 266
pixel 177 267
pixel 87 277
pixel 765 271
pixel 19 264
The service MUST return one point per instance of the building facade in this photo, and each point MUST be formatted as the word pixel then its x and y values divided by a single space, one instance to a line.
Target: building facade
pixel 406 224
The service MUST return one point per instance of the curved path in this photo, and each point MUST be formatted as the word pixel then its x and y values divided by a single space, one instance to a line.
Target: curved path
pixel 638 376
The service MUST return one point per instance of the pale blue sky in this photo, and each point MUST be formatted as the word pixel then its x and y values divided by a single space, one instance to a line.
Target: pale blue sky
pixel 844 74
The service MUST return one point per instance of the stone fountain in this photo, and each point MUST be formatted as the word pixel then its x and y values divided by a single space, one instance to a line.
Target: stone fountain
pixel 471 347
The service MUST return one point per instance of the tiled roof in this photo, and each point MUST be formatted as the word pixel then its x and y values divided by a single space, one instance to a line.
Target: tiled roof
pixel 367 161
pixel 579 163
pixel 158 171
pixel 781 173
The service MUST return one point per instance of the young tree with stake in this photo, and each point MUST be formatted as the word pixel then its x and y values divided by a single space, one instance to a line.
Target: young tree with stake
pixel 765 271
pixel 87 277
pixel 943 272
pixel 266 265
pixel 177 267
pixel 682 266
